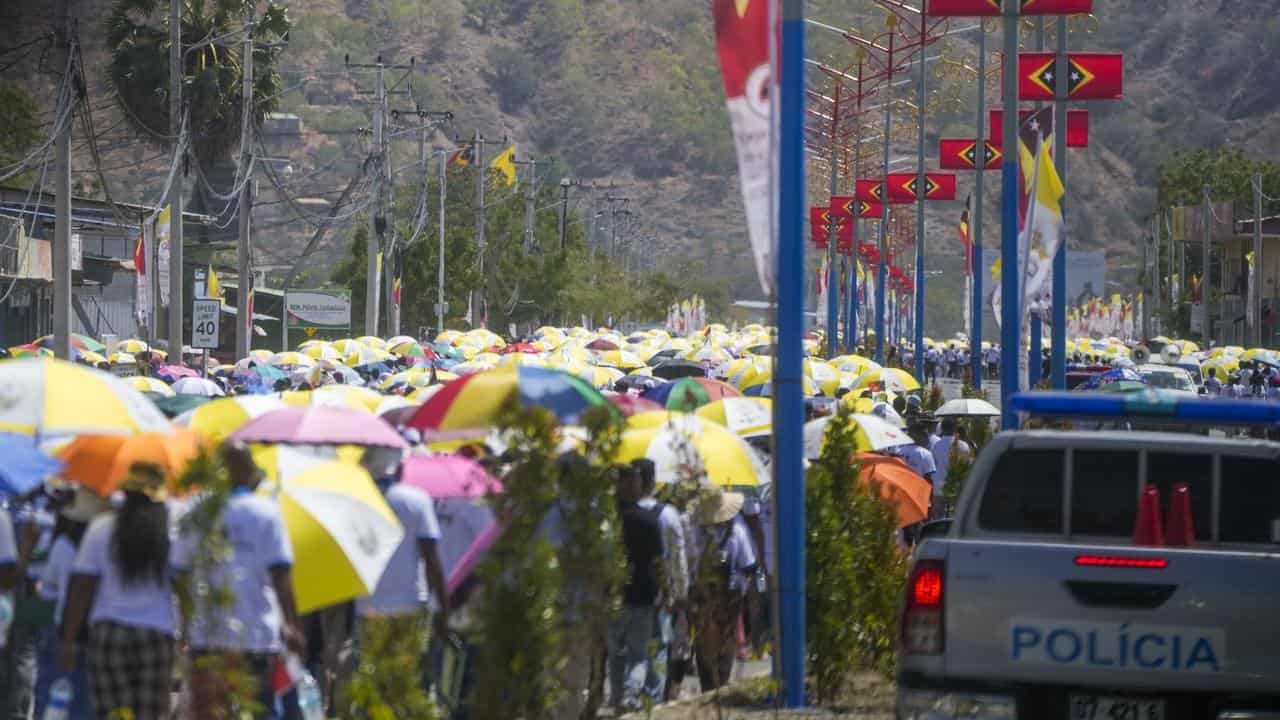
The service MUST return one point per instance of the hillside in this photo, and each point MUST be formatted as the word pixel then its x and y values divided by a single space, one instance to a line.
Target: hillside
pixel 629 93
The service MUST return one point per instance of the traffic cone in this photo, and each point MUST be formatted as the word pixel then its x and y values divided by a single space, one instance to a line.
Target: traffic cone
pixel 1149 528
pixel 1181 530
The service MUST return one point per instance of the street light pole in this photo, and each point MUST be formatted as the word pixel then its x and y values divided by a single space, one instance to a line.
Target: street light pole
pixel 440 308
pixel 244 303
pixel 884 197
pixel 1010 287
pixel 917 339
pixel 176 201
pixel 978 271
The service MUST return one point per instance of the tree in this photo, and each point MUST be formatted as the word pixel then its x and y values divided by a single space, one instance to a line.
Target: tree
pixel 482 12
pixel 1228 172
pixel 138 69
pixel 19 126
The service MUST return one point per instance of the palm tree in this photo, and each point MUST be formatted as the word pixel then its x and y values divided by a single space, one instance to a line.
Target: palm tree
pixel 213 42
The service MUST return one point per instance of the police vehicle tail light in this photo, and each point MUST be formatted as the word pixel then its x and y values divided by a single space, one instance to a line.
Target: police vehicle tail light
pixel 1113 561
pixel 922 631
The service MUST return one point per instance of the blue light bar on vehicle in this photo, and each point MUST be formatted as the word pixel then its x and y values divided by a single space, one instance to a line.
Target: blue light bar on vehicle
pixel 1151 404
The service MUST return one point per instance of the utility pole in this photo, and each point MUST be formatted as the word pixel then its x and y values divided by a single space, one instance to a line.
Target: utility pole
pixel 881 309
pixel 482 178
pixel 1146 290
pixel 530 197
pixel 979 269
pixel 833 225
pixel 565 184
pixel 1206 258
pixel 1058 331
pixel 62 201
pixel 244 294
pixel 441 308
pixel 922 192
pixel 1010 283
pixel 176 200
pixel 1255 274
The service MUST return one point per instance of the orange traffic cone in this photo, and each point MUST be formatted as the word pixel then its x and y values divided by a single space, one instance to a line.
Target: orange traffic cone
pixel 1149 530
pixel 1181 530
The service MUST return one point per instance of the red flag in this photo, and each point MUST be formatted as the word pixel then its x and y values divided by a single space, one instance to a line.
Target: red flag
pixel 140 258
pixel 1092 76
pixel 871 210
pixel 1077 126
pixel 938 186
pixel 818 219
pixel 1057 7
pixel 868 191
pixel 742 43
pixel 843 206
pixel 961 154
pixel 963 8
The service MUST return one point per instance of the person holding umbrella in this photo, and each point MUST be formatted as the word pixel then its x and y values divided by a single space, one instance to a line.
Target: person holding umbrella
pixel 261 619
pixel 120 586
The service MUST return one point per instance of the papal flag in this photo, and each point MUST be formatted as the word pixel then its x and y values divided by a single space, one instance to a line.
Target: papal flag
pixel 505 165
pixel 1043 232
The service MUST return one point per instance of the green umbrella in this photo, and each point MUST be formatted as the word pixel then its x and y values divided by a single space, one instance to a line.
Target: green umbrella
pixel 1123 386
pixel 174 406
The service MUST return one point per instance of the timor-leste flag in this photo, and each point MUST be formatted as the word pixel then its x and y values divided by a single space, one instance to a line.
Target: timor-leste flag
pixel 1090 76
pixel 463 156
pixel 938 186
pixel 818 227
pixel 962 154
pixel 1077 126
pixel 963 8
pixel 964 236
pixel 844 206
pixel 870 210
pixel 869 191
pixel 1056 7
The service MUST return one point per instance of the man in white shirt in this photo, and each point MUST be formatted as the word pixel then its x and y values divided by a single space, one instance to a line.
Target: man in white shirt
pixel 941 450
pixel 917 455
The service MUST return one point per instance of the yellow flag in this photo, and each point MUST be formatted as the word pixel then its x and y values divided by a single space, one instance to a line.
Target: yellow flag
pixel 505 164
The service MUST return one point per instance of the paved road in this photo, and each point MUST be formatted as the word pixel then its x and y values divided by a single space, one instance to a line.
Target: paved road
pixel 951 389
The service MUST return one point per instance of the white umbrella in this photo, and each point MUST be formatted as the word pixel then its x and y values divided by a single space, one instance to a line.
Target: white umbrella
pixel 197 386
pixel 967 407
pixel 871 433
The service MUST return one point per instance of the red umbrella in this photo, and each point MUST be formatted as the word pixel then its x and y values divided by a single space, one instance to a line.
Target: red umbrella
pixel 516 347
pixel 632 404
pixel 602 345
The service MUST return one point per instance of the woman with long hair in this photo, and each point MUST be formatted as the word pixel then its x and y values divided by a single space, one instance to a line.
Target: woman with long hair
pixel 120 584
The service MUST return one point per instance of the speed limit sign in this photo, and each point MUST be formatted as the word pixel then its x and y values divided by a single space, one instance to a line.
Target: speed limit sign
pixel 205 316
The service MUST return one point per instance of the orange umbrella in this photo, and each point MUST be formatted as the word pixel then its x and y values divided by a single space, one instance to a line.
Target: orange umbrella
pixel 903 488
pixel 101 462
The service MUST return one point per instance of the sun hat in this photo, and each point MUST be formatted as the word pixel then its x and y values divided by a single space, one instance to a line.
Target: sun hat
pixel 716 507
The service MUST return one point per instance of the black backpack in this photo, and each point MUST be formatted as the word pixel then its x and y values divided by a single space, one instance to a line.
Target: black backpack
pixel 642 538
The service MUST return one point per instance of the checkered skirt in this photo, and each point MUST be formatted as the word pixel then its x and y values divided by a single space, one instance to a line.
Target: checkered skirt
pixel 131 667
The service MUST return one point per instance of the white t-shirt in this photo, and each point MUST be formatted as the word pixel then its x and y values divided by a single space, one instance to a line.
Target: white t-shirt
pixel 255 530
pixel 147 605
pixel 673 550
pixel 917 458
pixel 402 588
pixel 941 450
pixel 56 573
pixel 8 543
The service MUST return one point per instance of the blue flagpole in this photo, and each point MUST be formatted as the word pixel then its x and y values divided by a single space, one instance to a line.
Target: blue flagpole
pixel 1035 353
pixel 788 406
pixel 1010 294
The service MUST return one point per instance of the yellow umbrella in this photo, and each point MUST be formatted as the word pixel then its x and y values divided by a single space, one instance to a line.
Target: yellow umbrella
pixel 746 416
pixel 373 342
pixel 261 354
pixel 870 433
pixel 347 346
pixel 342 531
pixel 621 359
pixel 367 356
pixel 1257 354
pixel 448 337
pixel 122 358
pixel 91 357
pixel 894 379
pixel 322 351
pixel 520 358
pixel 601 377
pixel 151 385
pixel 219 418
pixel 56 400
pixel 129 345
pixel 350 396
pixel 725 458
pixel 855 364
pixel 291 358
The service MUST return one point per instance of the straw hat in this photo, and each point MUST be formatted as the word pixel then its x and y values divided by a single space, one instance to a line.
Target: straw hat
pixel 716 508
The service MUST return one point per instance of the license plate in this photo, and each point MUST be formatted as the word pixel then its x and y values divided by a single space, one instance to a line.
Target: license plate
pixel 1094 707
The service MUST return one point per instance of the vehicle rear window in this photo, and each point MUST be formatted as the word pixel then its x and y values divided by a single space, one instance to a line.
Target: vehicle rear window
pixel 1250 499
pixel 1104 492
pixel 1165 470
pixel 1024 493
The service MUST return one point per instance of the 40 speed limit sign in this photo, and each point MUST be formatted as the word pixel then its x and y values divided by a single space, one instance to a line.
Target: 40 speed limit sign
pixel 205 316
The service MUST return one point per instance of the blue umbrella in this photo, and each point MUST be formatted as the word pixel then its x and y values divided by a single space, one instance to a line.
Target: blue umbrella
pixel 1111 376
pixel 24 466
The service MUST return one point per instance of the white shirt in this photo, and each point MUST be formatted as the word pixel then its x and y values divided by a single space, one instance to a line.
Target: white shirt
pixel 8 543
pixel 941 450
pixel 56 573
pixel 255 530
pixel 673 548
pixel 917 458
pixel 148 605
pixel 402 589
pixel 736 546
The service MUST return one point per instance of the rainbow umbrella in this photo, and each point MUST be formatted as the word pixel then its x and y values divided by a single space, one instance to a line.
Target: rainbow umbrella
pixel 29 351
pixel 471 403
pixel 689 394
pixel 78 341
pixel 56 400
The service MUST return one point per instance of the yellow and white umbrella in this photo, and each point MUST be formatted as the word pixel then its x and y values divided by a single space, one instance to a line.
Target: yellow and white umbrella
pixel 261 355
pixel 726 459
pixel 122 358
pixel 55 400
pixel 347 346
pixel 870 433
pixel 709 353
pixel 155 386
pixel 367 356
pixel 350 396
pixel 855 364
pixel 448 337
pixel 292 359
pixel 342 531
pixel 322 351
pixel 372 342
pixel 128 345
pixel 894 379
pixel 746 416
pixel 421 395
pixel 621 359
pixel 221 417
pixel 601 377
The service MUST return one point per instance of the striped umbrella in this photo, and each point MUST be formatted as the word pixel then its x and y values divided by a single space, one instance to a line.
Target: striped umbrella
pixel 689 394
pixel 129 345
pixel 78 341
pixel 746 416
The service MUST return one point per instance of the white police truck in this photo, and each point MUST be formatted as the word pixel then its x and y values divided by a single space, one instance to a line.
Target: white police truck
pixel 1104 575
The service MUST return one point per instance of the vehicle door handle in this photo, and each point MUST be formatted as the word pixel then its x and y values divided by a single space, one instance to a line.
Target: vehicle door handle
pixel 1135 596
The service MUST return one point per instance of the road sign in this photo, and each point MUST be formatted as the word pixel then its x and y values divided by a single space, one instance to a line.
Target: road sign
pixel 321 309
pixel 205 319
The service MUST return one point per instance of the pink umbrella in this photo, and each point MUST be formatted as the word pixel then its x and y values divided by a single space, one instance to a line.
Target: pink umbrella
pixel 632 404
pixel 468 528
pixel 176 371
pixel 318 425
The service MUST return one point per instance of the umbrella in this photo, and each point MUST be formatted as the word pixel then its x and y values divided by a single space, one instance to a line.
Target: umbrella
pixel 601 377
pixel 57 400
pixel 347 345
pixel 748 417
pixel 342 531
pixel 765 389
pixel 689 394
pixel 219 418
pixel 967 407
pixel 602 345
pixel 893 379
pixel 670 440
pixel 322 351
pixel 411 348
pixel 291 359
pixel 472 402
pixel 198 386
pixel 348 396
pixel 519 347
pixel 178 404
pixel 870 433
pixel 663 356
pixel 458 486
pixel 422 395
pixel 150 385
pixel 1111 376
pixel 621 359
pixel 367 356
pixel 129 345
pixel 78 341
pixel 24 467
pixel 29 350
pixel 676 369
pixel 639 382
pixel 317 425
pixel 632 404
pixel 171 373
pixel 906 491
pixel 854 364
pixel 100 462
pixel 373 342
pixel 709 354
pixel 122 358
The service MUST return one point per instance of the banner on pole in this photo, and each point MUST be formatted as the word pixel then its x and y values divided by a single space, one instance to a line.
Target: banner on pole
pixel 870 210
pixel 1077 126
pixel 161 235
pixel 323 309
pixel 742 42
pixel 1091 76
pixel 962 154
pixel 938 186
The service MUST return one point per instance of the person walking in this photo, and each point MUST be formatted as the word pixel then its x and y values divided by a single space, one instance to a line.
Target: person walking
pixel 249 633
pixel 120 586
pixel 722 564
pixel 632 676
pixel 674 576
pixel 944 449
